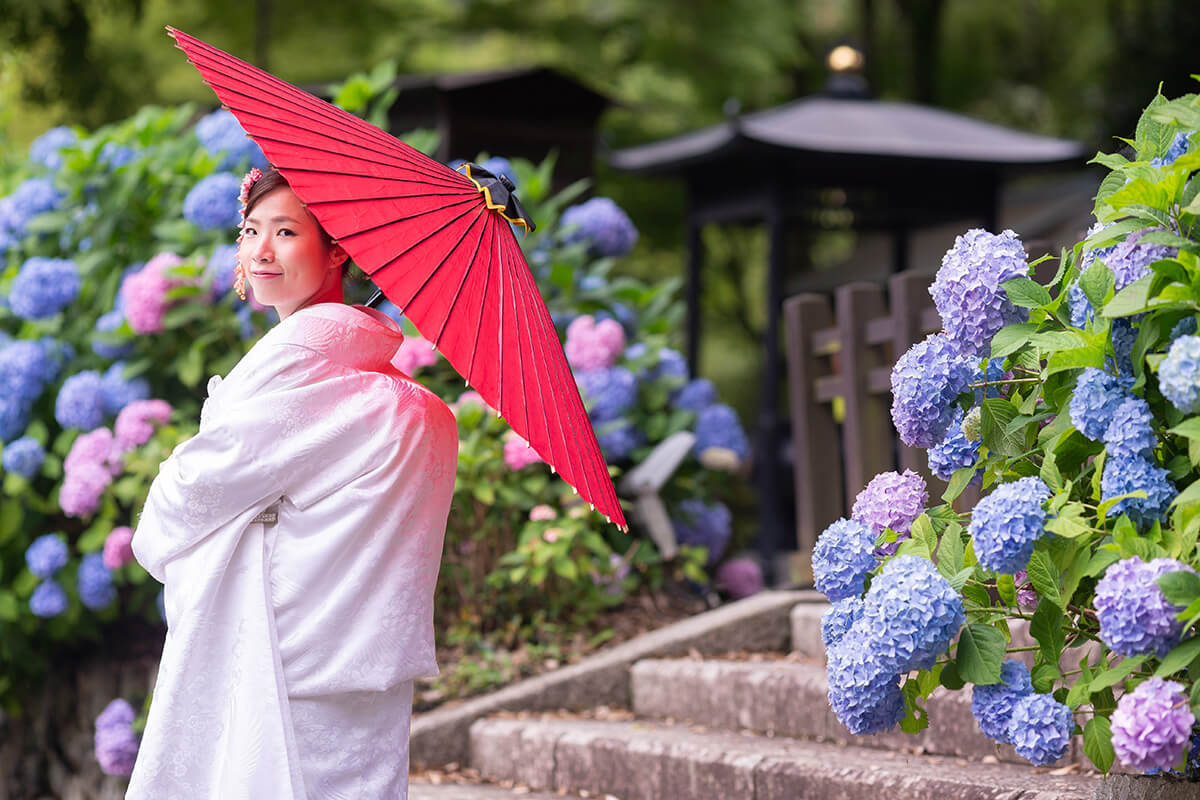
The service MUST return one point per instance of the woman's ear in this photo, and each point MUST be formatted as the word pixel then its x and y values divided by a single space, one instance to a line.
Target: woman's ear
pixel 338 256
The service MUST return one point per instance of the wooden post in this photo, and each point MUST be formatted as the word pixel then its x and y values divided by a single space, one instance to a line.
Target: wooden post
pixel 815 442
pixel 868 439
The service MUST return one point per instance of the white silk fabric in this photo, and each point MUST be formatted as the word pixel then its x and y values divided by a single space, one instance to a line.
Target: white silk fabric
pixel 291 650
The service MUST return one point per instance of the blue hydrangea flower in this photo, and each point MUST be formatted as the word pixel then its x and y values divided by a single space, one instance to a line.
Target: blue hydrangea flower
pixel 1129 260
pixel 44 287
pixel 220 132
pixel 1151 725
pixel 1179 373
pixel 114 156
pixel 1130 432
pixel 864 691
pixel 618 440
pixel 57 354
pixel 610 392
pixel 719 426
pixel 25 370
pixel 48 600
pixel 839 618
pixel 219 269
pixel 107 323
pixel 45 149
pixel 891 500
pixel 1179 146
pixel 926 380
pixel 1097 395
pixel 696 396
pixel 1007 523
pixel 844 554
pixel 622 314
pixel 592 283
pixel 24 457
pixel 954 452
pixel 15 415
pixel 600 222
pixel 1185 327
pixel 1087 256
pixel 32 197
pixel 967 290
pixel 96 590
pixel 1124 474
pixel 213 202
pixel 46 555
pixel 671 364
pixel 1079 307
pixel 989 375
pixel 1135 617
pixel 1124 334
pixel 910 614
pixel 117 391
pixel 498 165
pixel 246 330
pixel 993 704
pixel 1040 729
pixel 704 525
pixel 80 402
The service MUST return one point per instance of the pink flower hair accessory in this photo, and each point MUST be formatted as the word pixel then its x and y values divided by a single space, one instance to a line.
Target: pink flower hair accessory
pixel 239 272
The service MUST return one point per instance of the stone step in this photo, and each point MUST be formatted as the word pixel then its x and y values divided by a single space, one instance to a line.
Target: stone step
pixel 418 790
pixel 806 629
pixel 643 760
pixel 789 698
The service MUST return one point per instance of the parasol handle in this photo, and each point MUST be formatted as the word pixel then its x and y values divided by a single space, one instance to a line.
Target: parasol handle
pixel 375 300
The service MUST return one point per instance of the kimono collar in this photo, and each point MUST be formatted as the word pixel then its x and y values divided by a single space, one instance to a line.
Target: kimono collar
pixel 356 336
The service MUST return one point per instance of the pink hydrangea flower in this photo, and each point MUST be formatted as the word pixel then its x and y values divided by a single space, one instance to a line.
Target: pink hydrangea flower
pixel 518 455
pixel 542 512
pixel 414 353
pixel 118 550
pixel 741 577
pixel 95 448
pixel 145 293
pixel 135 423
pixel 594 345
pixel 82 488
pixel 472 397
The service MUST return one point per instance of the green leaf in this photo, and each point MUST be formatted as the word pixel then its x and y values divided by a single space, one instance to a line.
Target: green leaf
pixel 1096 283
pixel 1044 576
pixel 1077 358
pixel 950 551
pixel 1026 293
pixel 1097 743
pixel 922 530
pixel 1193 699
pixel 1011 338
pixel 980 654
pixel 1115 675
pixel 1050 473
pixel 1180 657
pixel 958 481
pixel 1189 428
pixel 1181 587
pixel 953 681
pixel 1007 589
pixel 1046 629
pixel 10 609
pixel 1070 522
pixel 995 415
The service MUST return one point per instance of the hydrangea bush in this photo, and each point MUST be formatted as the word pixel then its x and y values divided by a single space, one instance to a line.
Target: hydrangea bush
pixel 1073 405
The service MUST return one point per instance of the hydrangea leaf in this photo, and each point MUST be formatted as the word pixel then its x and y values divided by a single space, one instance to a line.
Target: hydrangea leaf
pixel 1097 743
pixel 958 481
pixel 1070 522
pixel 1179 657
pixel 996 414
pixel 1011 338
pixel 1007 589
pixel 1115 675
pixel 922 529
pixel 950 551
pixel 1044 576
pixel 1077 358
pixel 1194 700
pixel 9 607
pixel 1046 629
pixel 1181 587
pixel 980 654
pixel 1026 293
pixel 950 678
pixel 1096 283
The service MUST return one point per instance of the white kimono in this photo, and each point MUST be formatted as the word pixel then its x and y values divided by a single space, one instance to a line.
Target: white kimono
pixel 299 536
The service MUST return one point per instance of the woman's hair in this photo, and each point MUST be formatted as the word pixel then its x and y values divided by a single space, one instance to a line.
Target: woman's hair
pixel 270 181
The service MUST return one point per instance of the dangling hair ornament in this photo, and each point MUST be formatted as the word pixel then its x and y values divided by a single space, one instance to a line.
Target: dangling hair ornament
pixel 239 272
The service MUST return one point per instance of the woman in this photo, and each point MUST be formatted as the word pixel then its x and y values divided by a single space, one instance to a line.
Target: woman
pixel 298 536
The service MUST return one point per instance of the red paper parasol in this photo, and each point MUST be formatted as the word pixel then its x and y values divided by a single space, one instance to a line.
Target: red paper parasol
pixel 440 246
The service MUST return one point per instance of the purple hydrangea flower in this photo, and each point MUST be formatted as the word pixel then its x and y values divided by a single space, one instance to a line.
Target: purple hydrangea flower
pixel 80 402
pixel 954 452
pixel 1151 725
pixel 740 577
pixel 864 691
pixel 910 614
pixel 1129 433
pixel 1135 617
pixel 1096 397
pixel 44 287
pixel 1129 260
pixel 213 202
pixel 719 426
pixel 1040 728
pixel 220 132
pixel 611 393
pixel 220 267
pixel 45 148
pixel 1007 523
pixel 1179 373
pixel 117 391
pixel 618 440
pixel 967 290
pixel 891 500
pixel 993 704
pixel 116 745
pixel 704 525
pixel 1124 474
pixel 840 617
pixel 48 600
pixel 1027 596
pixel 96 590
pixel 925 382
pixel 1088 255
pixel 46 555
pixel 696 396
pixel 107 323
pixel 600 222
pixel 23 457
pixel 844 554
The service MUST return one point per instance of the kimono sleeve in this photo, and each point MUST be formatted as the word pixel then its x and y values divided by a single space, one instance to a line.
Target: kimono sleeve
pixel 297 422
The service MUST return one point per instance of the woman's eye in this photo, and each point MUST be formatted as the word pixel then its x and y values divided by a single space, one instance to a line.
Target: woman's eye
pixel 248 231
pixel 286 231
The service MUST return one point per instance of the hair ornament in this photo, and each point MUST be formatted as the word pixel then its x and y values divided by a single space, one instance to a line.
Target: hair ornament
pixel 239 272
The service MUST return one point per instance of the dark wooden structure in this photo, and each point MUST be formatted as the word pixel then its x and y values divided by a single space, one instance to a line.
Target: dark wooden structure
pixel 896 167
pixel 526 113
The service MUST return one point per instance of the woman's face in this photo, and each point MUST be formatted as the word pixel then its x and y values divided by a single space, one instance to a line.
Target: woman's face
pixel 286 258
